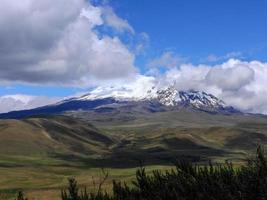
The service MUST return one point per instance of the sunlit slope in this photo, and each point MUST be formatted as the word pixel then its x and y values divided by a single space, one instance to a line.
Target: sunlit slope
pixel 122 138
pixel 181 132
pixel 49 137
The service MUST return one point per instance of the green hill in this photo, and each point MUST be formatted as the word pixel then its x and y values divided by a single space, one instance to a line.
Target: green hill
pixel 126 138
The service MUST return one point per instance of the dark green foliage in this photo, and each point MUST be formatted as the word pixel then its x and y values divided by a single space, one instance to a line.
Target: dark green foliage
pixel 190 182
pixel 20 196
pixel 73 192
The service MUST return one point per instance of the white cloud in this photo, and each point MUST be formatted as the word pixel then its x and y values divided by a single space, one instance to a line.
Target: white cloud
pixel 230 78
pixel 167 60
pixel 142 43
pixel 21 102
pixel 186 76
pixel 112 19
pixel 216 58
pixel 40 44
pixel 212 58
pixel 136 88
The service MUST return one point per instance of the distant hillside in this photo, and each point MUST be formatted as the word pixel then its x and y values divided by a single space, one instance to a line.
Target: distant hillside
pixel 113 137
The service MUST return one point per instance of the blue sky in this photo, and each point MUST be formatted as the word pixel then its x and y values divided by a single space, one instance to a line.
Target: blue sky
pixel 196 29
pixel 105 42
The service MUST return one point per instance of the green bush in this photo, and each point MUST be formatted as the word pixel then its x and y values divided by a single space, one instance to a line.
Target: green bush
pixel 20 196
pixel 74 193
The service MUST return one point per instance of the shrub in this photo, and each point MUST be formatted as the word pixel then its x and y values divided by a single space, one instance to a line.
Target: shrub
pixel 20 196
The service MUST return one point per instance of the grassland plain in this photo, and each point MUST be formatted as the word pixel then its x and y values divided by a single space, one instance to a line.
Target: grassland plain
pixel 38 154
pixel 45 182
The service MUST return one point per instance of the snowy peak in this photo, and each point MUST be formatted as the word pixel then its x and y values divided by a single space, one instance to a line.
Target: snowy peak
pixel 197 99
pixel 169 96
pixel 200 99
pixel 172 97
pixel 141 100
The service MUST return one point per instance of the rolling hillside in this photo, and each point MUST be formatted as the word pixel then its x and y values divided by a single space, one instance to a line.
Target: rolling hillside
pixel 33 140
pixel 114 138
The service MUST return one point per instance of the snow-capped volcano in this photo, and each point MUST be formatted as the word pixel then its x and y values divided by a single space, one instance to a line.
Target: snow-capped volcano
pixel 169 96
pixel 148 99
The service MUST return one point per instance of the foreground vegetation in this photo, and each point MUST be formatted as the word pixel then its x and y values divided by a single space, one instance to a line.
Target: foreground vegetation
pixel 45 182
pixel 186 182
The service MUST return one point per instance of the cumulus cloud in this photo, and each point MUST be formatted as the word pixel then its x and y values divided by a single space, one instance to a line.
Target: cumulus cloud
pixel 39 43
pixel 232 78
pixel 21 102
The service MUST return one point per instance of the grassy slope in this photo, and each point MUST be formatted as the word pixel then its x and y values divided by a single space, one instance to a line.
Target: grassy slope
pixel 40 153
pixel 45 138
pixel 44 183
pixel 182 132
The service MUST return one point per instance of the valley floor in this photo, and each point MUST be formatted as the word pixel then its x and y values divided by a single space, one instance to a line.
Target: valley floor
pixel 45 183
